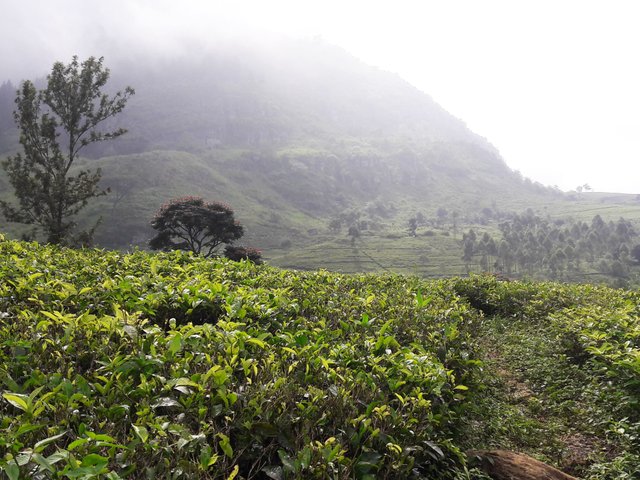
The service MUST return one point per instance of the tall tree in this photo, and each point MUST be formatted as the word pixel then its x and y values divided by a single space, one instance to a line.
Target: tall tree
pixel 55 125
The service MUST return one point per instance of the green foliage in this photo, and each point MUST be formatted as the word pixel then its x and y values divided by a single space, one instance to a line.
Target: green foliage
pixel 171 365
pixel 190 223
pixel 576 348
pixel 55 124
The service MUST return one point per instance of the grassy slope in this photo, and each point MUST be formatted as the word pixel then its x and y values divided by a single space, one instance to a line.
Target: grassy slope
pixel 563 374
pixel 291 224
pixel 274 216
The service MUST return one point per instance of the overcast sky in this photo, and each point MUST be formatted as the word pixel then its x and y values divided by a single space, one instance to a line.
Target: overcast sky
pixel 554 85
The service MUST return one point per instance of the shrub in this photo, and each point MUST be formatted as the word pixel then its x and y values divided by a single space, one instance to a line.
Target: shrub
pixel 237 253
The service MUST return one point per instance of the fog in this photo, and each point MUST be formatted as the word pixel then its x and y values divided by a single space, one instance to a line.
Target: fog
pixel 37 33
pixel 552 85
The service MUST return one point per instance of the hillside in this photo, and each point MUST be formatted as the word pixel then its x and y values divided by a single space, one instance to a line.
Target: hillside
pixel 155 365
pixel 302 126
pixel 304 141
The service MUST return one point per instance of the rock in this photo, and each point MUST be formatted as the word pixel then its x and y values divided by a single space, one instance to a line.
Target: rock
pixel 504 465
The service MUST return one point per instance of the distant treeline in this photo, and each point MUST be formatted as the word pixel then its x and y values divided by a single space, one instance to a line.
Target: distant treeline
pixel 532 245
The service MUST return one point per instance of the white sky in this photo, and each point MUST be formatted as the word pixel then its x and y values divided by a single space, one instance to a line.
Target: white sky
pixel 554 85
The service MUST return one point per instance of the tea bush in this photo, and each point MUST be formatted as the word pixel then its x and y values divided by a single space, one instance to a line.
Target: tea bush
pixel 168 365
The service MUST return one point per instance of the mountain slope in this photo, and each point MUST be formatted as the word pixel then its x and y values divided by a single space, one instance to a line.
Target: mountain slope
pixel 294 135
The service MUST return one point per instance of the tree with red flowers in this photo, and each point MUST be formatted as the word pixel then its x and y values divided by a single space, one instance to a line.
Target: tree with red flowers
pixel 190 223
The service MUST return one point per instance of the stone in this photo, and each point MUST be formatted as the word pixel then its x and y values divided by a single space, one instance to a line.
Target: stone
pixel 505 465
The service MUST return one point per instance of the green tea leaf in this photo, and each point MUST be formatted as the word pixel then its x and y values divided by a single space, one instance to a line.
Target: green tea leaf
pixel 39 446
pixel 141 432
pixel 234 473
pixel 12 470
pixel 77 443
pixel 225 445
pixel 257 342
pixel 43 462
pixel 18 400
pixel 93 459
pixel 175 344
pixel 26 428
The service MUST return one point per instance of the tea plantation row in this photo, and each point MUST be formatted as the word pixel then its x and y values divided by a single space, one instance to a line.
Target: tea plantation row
pixel 171 366
pixel 142 365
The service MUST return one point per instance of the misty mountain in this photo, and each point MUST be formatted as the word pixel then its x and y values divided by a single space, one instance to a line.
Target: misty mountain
pixel 293 134
pixel 244 96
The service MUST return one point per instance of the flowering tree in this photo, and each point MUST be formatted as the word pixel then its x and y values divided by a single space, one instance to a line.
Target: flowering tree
pixel 190 223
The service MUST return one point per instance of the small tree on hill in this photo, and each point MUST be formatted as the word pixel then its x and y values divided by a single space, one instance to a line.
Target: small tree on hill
pixel 413 225
pixel 190 223
pixel 55 125
pixel 354 232
pixel 237 253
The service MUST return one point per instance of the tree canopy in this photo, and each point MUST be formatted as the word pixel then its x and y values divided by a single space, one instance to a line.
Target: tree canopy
pixel 190 223
pixel 55 124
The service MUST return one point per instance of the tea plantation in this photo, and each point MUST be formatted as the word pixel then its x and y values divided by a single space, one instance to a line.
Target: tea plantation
pixel 143 365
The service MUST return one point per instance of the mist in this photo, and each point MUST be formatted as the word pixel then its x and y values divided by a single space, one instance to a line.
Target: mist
pixel 553 87
pixel 121 31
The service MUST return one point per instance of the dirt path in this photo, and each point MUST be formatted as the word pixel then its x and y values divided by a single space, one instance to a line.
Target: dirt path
pixel 533 422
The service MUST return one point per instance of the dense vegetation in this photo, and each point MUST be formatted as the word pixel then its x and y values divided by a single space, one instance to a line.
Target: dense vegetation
pixel 207 368
pixel 174 366
pixel 563 248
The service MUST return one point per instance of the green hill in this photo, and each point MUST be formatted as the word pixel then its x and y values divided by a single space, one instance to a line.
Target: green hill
pixel 303 141
pixel 145 365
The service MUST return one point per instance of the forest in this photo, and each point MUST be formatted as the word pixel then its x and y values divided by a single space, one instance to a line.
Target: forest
pixel 560 249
